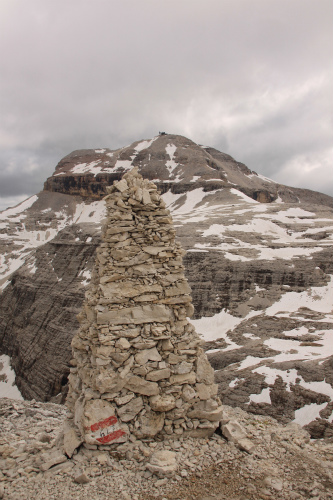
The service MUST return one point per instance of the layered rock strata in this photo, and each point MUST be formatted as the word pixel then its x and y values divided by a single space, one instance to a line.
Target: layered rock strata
pixel 138 367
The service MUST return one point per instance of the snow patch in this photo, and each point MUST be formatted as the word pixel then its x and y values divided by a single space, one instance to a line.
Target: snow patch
pixel 307 413
pixel 171 165
pixel 144 145
pixel 243 196
pixel 216 327
pixel 192 199
pixel 123 165
pixel 10 212
pixel 316 298
pixel 263 397
pixel 82 168
pixel 8 389
pixel 87 275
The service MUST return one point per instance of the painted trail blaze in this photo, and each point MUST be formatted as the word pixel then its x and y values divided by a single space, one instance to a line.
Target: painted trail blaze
pixel 106 430
pixel 103 424
pixel 111 437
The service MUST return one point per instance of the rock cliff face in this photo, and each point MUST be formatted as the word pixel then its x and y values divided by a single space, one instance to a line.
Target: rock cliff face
pixel 259 262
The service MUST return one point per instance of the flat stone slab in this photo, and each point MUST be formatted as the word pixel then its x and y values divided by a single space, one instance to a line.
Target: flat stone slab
pixel 136 315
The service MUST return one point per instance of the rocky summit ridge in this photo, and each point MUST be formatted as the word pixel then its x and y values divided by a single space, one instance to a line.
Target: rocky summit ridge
pixel 175 164
pixel 258 260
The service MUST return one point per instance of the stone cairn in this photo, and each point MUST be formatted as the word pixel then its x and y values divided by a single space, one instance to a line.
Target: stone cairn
pixel 138 370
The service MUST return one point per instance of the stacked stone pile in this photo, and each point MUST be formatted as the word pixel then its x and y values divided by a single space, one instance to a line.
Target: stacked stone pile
pixel 138 368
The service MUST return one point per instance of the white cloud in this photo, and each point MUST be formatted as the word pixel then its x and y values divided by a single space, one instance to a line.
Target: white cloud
pixel 249 78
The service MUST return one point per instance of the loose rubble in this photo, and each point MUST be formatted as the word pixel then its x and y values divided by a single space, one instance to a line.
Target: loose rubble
pixel 284 464
pixel 138 368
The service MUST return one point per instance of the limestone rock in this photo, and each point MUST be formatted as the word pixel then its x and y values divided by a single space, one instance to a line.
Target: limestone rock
pixel 141 386
pixel 136 315
pixel 162 402
pixel 109 383
pixel 128 411
pixel 246 445
pixel 183 378
pixel 81 478
pixel 204 373
pixel 50 459
pixel 71 439
pixel 233 431
pixel 163 463
pixel 150 424
pixel 147 355
pixel 157 375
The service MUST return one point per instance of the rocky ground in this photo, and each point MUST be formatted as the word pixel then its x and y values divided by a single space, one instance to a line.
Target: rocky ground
pixel 281 462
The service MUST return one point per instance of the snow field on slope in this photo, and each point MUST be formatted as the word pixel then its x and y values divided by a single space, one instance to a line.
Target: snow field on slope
pixel 216 327
pixel 307 413
pixel 98 166
pixel 8 388
pixel 321 348
pixel 263 397
pixel 264 253
pixel 87 275
pixel 10 212
pixel 318 299
pixel 294 350
pixel 259 226
pixel 244 197
pixel 145 144
pixel 292 242
pixel 94 212
pixel 82 168
pixel 171 164
pixel 188 211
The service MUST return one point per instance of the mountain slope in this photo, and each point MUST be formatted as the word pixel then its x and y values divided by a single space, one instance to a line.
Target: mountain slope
pixel 259 260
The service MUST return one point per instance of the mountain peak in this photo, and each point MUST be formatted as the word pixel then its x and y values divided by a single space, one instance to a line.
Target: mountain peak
pixel 175 163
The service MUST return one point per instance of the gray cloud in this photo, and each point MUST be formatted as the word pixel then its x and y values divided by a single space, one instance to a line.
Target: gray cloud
pixel 253 79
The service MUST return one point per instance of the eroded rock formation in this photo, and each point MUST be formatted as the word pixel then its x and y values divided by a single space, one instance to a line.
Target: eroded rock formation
pixel 138 366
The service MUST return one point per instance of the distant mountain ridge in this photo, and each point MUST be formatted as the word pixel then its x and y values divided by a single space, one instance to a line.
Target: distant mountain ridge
pixel 174 163
pixel 259 261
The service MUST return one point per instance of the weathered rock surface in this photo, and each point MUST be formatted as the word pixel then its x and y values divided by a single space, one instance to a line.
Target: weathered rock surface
pixel 259 272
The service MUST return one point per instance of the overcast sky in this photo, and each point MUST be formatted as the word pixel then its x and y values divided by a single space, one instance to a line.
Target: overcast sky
pixel 252 78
